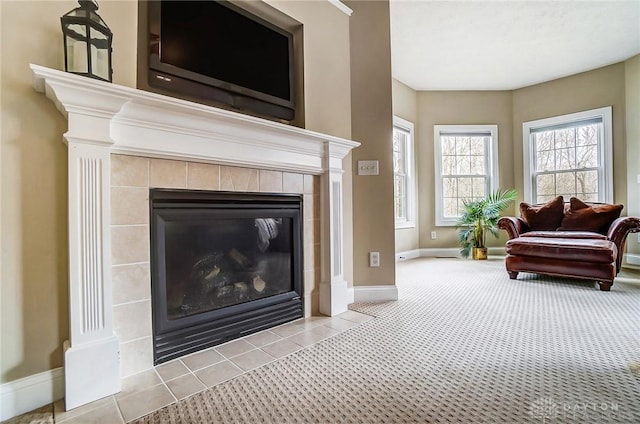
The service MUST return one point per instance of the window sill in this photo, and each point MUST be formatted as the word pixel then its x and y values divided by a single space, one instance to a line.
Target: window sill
pixel 402 225
pixel 446 223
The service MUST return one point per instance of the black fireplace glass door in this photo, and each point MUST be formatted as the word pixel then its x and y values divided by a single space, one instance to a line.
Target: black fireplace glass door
pixel 223 265
pixel 217 263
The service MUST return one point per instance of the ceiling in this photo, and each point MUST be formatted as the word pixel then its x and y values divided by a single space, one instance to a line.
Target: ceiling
pixel 489 45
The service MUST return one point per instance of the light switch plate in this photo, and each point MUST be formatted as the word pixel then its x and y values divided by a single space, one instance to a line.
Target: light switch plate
pixel 368 167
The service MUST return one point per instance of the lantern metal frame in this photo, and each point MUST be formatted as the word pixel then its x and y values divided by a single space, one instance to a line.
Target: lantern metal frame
pixel 86 16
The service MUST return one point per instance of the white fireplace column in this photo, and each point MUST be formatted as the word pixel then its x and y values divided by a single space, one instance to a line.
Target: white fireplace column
pixel 92 353
pixel 104 119
pixel 334 291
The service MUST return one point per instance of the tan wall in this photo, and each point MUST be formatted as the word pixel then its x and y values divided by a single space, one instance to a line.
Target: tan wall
pixel 371 124
pixel 327 86
pixel 632 86
pixel 405 101
pixel 34 315
pixel 589 90
pixel 34 178
pixel 326 62
pixel 405 106
pixel 464 108
pixel 33 206
pixel 509 109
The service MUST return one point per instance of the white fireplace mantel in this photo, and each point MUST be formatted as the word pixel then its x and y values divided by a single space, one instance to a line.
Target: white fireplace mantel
pixel 138 122
pixel 106 118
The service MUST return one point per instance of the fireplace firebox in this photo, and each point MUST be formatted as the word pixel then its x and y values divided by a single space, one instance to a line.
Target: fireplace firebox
pixel 223 265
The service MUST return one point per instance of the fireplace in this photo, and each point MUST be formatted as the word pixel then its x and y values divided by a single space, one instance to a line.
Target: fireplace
pixel 106 121
pixel 223 265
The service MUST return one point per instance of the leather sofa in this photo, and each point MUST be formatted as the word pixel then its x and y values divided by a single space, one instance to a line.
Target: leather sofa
pixel 575 240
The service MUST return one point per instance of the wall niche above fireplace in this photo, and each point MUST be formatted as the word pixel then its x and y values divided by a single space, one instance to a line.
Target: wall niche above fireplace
pixel 223 265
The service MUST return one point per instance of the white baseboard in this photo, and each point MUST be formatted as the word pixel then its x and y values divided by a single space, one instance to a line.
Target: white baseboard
pixel 444 252
pixel 350 294
pixel 29 393
pixel 409 254
pixel 375 293
pixel 632 259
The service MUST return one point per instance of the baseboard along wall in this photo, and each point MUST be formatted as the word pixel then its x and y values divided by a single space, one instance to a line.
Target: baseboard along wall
pixel 445 252
pixel 375 293
pixel 29 393
pixel 631 259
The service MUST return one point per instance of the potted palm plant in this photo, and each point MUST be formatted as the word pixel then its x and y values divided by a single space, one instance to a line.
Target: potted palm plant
pixel 479 218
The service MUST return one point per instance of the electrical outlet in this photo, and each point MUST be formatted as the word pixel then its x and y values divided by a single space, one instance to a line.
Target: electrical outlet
pixel 434 235
pixel 374 259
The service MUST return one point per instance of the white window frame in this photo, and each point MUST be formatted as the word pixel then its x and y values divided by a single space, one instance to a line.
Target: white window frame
pixel 410 220
pixel 605 149
pixel 492 163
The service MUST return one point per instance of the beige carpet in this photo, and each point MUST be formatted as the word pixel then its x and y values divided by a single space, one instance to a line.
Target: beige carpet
pixel 464 344
pixel 42 415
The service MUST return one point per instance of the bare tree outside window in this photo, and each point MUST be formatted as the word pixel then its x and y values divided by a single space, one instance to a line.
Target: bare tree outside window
pixel 464 171
pixel 465 167
pixel 566 163
pixel 403 173
pixel 569 155
pixel 400 140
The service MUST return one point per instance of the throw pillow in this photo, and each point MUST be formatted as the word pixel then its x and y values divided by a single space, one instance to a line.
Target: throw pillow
pixel 543 218
pixel 583 217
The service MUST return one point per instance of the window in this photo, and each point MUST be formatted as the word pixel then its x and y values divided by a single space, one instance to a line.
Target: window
pixel 569 155
pixel 403 172
pixel 466 167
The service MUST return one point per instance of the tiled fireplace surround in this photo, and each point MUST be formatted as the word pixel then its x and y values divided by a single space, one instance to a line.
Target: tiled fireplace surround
pixel 123 141
pixel 131 178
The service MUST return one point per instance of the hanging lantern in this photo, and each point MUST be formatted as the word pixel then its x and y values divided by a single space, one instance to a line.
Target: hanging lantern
pixel 87 42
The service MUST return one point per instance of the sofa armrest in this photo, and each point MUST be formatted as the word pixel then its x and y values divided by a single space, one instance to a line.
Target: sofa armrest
pixel 618 232
pixel 513 226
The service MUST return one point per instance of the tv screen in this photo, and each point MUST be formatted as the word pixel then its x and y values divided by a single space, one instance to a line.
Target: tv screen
pixel 215 49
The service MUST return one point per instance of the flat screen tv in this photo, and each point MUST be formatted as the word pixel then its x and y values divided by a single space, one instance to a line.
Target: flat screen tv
pixel 218 53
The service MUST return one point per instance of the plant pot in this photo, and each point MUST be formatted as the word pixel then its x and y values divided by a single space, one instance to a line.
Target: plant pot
pixel 479 253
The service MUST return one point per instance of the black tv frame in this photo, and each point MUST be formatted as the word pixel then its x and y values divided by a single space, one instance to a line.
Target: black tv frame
pixel 163 78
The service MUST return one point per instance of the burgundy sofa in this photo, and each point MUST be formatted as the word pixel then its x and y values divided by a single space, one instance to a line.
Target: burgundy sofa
pixel 575 240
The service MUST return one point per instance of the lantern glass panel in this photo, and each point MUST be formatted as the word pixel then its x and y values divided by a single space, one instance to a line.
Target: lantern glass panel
pixel 77 55
pixel 99 54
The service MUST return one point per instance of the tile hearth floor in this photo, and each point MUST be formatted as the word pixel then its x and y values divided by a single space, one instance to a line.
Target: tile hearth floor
pixel 165 384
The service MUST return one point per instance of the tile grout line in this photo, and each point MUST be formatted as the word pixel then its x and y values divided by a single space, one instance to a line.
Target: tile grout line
pixel 165 385
pixel 136 340
pixel 131 302
pixel 131 263
pixel 194 374
pixel 118 408
pixel 162 382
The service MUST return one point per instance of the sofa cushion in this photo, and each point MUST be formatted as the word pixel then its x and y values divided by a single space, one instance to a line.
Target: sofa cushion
pixel 595 217
pixel 543 218
pixel 565 234
pixel 597 251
